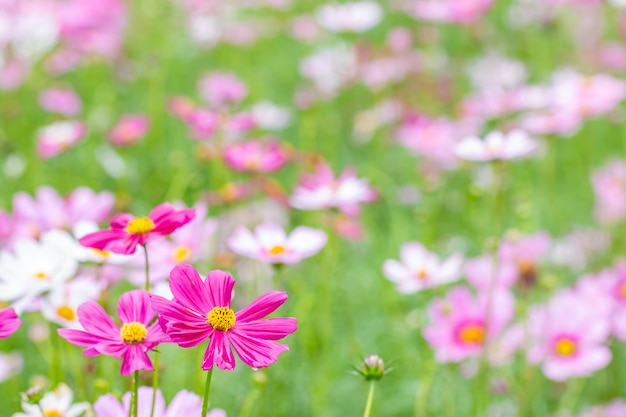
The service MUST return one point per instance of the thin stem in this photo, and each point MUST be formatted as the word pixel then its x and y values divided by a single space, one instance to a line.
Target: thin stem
pixel 145 253
pixel 370 400
pixel 207 388
pixel 155 382
pixel 136 394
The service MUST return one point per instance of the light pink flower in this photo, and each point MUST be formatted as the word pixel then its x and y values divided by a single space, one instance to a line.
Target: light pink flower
pixel 9 322
pixel 60 100
pixel 480 273
pixel 455 11
pixel 57 137
pixel 609 187
pixel 203 123
pixel 616 408
pixel 131 341
pixel 525 252
pixel 130 129
pixel 497 145
pixel 270 243
pixel 201 310
pixel 460 325
pixel 568 337
pixel 220 88
pixel 128 231
pixel 256 156
pixel 184 404
pixel 321 190
pixel 357 16
pixel 419 269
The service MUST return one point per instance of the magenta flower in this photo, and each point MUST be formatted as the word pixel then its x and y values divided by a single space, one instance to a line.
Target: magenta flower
pixel 130 129
pixel 201 310
pixel 131 341
pixel 453 11
pixel 9 322
pixel 270 244
pixel 256 156
pixel 128 231
pixel 60 100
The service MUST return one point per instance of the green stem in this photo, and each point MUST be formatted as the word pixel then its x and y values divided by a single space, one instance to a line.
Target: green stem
pixel 370 400
pixel 155 382
pixel 145 253
pixel 207 388
pixel 132 411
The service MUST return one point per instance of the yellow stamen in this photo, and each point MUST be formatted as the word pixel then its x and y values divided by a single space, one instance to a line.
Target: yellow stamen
pixel 181 254
pixel 565 347
pixel 421 274
pixel 52 413
pixel 66 312
pixel 41 275
pixel 133 332
pixel 473 334
pixel 277 250
pixel 140 225
pixel 622 290
pixel 103 253
pixel 221 318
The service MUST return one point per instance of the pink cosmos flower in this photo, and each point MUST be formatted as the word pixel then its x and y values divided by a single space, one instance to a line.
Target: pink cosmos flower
pixel 456 11
pixel 419 269
pixel 184 404
pixel 460 325
pixel 9 322
pixel 525 252
pixel 616 408
pixel 220 88
pixel 60 100
pixel 203 123
pixel 130 129
pixel 57 137
pixel 128 231
pixel 270 244
pixel 256 156
pixel 609 186
pixel 568 337
pixel 497 145
pixel 480 273
pixel 47 210
pixel 131 341
pixel 322 190
pixel 201 310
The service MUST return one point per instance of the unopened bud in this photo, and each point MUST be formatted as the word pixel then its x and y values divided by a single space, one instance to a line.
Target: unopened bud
pixel 372 368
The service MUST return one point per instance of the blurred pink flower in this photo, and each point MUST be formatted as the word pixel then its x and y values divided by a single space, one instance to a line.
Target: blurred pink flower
pixel 202 122
pixel 357 16
pixel 460 325
pixel 480 273
pixel 399 39
pixel 256 156
pixel 496 145
pixel 525 252
pixel 9 322
pixel 60 100
pixel 219 89
pixel 132 341
pixel 455 11
pixel 304 28
pixel 129 129
pixel 567 336
pixel 184 404
pixel 616 408
pixel 47 210
pixel 419 269
pixel 57 137
pixel 201 310
pixel 321 190
pixel 128 231
pixel 609 187
pixel 270 244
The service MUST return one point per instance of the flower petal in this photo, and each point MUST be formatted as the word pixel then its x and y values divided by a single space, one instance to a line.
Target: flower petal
pixel 262 306
pixel 189 290
pixel 254 352
pixel 269 329
pixel 219 352
pixel 134 306
pixel 220 287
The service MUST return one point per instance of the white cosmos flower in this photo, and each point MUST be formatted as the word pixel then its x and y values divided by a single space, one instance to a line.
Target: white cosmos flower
pixel 54 403
pixel 34 267
pixel 61 304
pixel 497 145
pixel 349 17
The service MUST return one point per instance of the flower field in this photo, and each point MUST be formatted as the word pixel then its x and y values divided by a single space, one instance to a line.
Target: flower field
pixel 306 208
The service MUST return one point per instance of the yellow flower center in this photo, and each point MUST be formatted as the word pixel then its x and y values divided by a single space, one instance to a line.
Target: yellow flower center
pixel 565 347
pixel 53 412
pixel 421 274
pixel 277 250
pixel 229 192
pixel 221 318
pixel 133 332
pixel 103 253
pixel 253 162
pixel 181 254
pixel 66 312
pixel 473 333
pixel 140 225
pixel 622 290
pixel 41 275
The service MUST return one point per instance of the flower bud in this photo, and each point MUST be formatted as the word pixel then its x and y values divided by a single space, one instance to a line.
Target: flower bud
pixel 372 368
